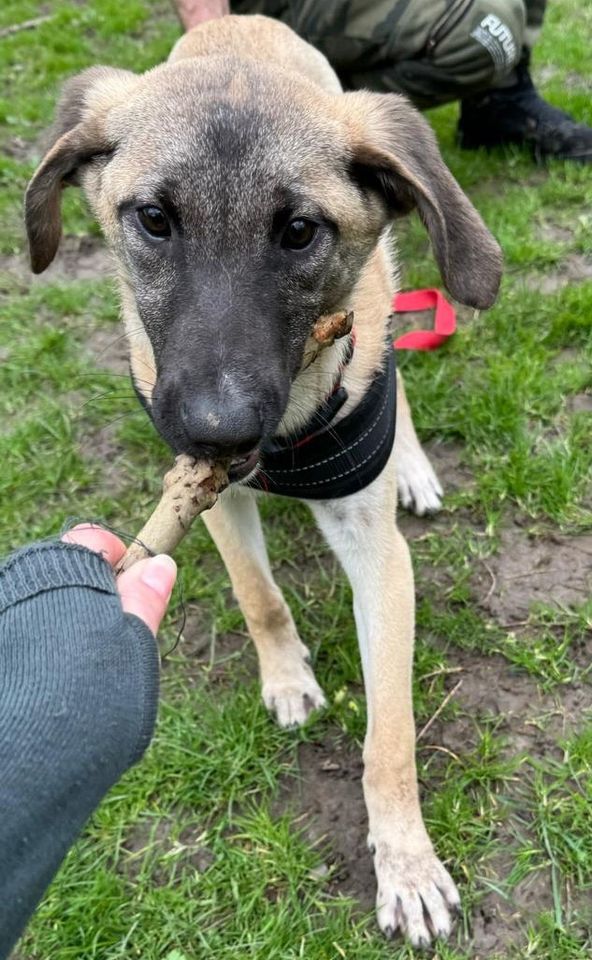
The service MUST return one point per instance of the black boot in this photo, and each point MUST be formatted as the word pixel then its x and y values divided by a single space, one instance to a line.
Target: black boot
pixel 517 114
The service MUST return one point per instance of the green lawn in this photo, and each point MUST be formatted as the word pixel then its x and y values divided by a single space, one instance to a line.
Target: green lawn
pixel 233 838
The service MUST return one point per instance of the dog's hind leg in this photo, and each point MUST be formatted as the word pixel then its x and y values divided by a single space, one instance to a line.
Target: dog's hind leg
pixel 289 687
pixel 415 893
pixel 419 487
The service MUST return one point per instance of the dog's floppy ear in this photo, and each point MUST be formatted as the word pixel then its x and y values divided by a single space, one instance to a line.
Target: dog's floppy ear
pixel 77 137
pixel 394 151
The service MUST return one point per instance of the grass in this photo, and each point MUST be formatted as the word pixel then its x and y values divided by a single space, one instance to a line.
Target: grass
pixel 188 856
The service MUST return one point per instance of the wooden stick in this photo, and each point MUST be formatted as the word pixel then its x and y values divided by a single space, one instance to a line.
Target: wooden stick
pixel 325 332
pixel 332 326
pixel 189 488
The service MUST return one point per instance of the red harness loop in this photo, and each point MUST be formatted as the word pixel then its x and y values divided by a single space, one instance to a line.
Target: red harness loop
pixel 444 319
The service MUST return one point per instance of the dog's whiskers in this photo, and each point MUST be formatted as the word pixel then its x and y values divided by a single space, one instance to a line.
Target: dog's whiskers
pixel 128 413
pixel 113 343
pixel 108 373
pixel 108 395
pixel 326 423
pixel 125 336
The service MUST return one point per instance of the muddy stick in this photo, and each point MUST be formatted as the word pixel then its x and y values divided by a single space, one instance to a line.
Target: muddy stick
pixel 189 488
pixel 326 331
pixel 332 326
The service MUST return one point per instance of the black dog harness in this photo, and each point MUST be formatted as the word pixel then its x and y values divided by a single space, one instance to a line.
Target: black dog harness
pixel 326 460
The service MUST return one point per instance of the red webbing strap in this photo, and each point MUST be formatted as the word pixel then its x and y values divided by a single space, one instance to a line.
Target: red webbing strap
pixel 444 319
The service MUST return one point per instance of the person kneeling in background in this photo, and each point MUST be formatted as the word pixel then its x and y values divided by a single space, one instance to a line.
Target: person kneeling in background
pixel 434 51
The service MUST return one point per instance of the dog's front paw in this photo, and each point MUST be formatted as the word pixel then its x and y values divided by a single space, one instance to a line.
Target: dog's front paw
pixel 293 694
pixel 415 894
pixel 418 486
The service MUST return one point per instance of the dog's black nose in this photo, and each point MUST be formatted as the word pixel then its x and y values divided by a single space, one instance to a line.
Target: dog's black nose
pixel 230 426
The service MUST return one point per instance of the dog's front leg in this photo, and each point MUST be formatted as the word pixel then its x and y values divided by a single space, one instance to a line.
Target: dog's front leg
pixel 415 893
pixel 289 686
pixel 419 487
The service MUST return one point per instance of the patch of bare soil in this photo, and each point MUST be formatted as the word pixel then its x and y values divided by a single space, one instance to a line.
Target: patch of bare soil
pixel 202 653
pixel 554 232
pixel 22 150
pixel 499 923
pixel 528 570
pixel 570 355
pixel 531 724
pixel 570 80
pixel 78 258
pixel 326 797
pixel 154 841
pixel 574 268
pixel 100 446
pixel 530 721
pixel 447 460
pixel 108 348
pixel 196 643
pixel 580 403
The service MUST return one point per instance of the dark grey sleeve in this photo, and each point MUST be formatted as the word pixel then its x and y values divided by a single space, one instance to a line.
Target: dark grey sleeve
pixel 78 699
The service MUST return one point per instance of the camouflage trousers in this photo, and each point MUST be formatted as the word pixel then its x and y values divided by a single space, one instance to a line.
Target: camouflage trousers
pixel 431 50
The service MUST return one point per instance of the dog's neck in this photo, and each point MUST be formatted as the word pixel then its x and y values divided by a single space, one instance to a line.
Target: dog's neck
pixel 371 307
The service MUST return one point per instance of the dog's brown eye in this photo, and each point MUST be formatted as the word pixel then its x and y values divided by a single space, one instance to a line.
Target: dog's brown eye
pixel 299 234
pixel 154 221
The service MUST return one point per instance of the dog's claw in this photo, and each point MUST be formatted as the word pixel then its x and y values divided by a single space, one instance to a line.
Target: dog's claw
pixel 415 895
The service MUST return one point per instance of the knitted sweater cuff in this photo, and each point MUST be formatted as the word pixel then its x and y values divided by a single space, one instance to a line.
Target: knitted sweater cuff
pixel 50 565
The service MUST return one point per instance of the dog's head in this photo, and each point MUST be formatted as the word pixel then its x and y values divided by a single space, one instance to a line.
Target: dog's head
pixel 242 204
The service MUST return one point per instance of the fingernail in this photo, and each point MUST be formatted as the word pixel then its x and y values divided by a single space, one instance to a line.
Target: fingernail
pixel 160 573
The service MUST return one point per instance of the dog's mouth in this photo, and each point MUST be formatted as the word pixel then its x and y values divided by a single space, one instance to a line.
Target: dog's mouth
pixel 241 467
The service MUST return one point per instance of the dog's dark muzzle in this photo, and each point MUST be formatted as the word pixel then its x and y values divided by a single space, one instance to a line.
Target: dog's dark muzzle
pixel 217 413
pixel 223 379
pixel 207 424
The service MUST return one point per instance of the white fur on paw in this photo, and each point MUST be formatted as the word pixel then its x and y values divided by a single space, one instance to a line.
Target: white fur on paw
pixel 416 895
pixel 419 487
pixel 293 696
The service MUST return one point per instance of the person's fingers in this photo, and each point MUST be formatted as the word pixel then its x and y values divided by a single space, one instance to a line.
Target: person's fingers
pixel 95 538
pixel 145 589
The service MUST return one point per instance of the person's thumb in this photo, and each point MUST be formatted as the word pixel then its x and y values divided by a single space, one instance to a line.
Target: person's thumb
pixel 145 589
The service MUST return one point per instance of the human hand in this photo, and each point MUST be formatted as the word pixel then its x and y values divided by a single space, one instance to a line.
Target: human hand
pixel 145 589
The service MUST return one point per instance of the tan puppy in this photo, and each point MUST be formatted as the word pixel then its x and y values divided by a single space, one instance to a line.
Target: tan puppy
pixel 244 195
